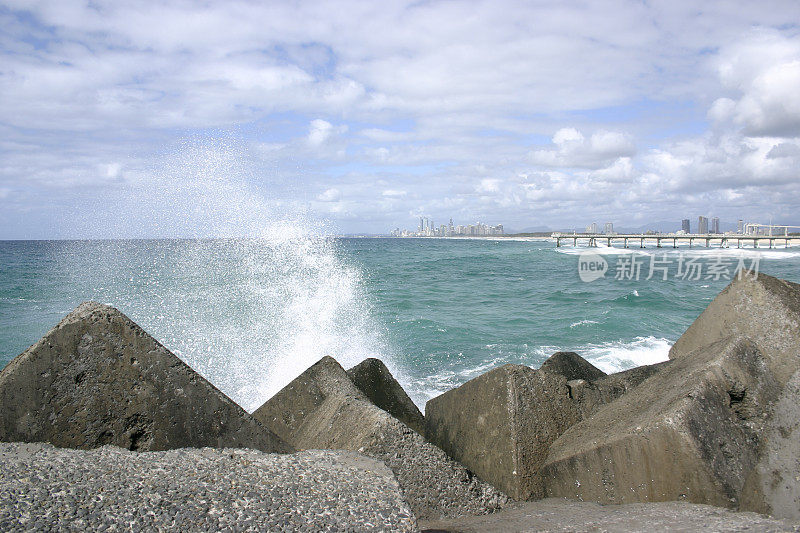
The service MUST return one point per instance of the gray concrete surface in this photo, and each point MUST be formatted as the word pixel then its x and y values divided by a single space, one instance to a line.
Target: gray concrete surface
pixel 43 488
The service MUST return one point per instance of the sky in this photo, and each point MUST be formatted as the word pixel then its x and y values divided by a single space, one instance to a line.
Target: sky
pixel 177 118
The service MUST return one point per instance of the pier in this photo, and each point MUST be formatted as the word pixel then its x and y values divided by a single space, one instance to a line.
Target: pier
pixel 640 239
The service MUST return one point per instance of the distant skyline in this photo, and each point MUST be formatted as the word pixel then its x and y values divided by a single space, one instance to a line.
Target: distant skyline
pixel 158 119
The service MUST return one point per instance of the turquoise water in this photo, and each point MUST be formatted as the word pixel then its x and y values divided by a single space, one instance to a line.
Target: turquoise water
pixel 250 315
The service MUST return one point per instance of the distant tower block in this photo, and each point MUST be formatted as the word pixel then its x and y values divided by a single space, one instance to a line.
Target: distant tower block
pixel 715 225
pixel 609 228
pixel 702 225
pixel 686 226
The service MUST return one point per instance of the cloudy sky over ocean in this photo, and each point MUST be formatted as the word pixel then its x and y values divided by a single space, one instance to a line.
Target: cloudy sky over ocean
pixel 146 118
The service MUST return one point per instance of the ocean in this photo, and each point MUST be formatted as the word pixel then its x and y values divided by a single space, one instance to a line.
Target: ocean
pixel 252 314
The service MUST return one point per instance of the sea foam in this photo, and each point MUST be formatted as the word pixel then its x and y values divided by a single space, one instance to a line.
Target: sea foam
pixel 616 356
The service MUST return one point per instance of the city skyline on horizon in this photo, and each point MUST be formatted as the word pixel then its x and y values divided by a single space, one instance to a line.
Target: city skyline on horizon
pixel 602 227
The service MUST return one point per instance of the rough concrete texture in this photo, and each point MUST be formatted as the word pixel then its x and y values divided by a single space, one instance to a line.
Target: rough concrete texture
pixel 773 487
pixel 561 515
pixel 322 409
pixel 501 424
pixel 764 309
pixel 590 395
pixel 690 432
pixel 286 412
pixel 376 382
pixel 110 489
pixel 97 378
pixel 571 366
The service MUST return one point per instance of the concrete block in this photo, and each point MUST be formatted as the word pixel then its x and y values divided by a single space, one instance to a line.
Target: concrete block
pixel 501 424
pixel 376 382
pixel 97 378
pixel 689 432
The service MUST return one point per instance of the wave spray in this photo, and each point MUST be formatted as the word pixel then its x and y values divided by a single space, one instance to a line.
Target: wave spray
pixel 254 295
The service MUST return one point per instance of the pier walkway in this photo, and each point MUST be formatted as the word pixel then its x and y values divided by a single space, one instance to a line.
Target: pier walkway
pixel 724 240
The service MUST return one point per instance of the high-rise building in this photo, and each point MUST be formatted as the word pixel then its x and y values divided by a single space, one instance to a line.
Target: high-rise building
pixel 715 225
pixel 609 228
pixel 702 225
pixel 686 226
pixel 740 226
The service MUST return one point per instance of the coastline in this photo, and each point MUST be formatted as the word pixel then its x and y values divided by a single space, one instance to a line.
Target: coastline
pixel 650 240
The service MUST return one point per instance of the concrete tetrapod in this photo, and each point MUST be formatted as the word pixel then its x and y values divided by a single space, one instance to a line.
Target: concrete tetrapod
pixel 323 409
pixel 98 378
pixel 689 432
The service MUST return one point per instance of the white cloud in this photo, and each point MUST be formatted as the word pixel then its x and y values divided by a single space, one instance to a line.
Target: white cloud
pixel 324 141
pixel 771 106
pixel 488 185
pixel 785 149
pixel 319 132
pixel 611 144
pixel 621 171
pixel 330 195
pixel 113 170
pixel 381 135
pixel 722 109
pixel 572 149
pixel 765 72
pixel 394 193
pixel 565 136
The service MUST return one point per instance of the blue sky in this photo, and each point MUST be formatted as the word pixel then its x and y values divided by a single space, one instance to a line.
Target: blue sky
pixel 159 119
